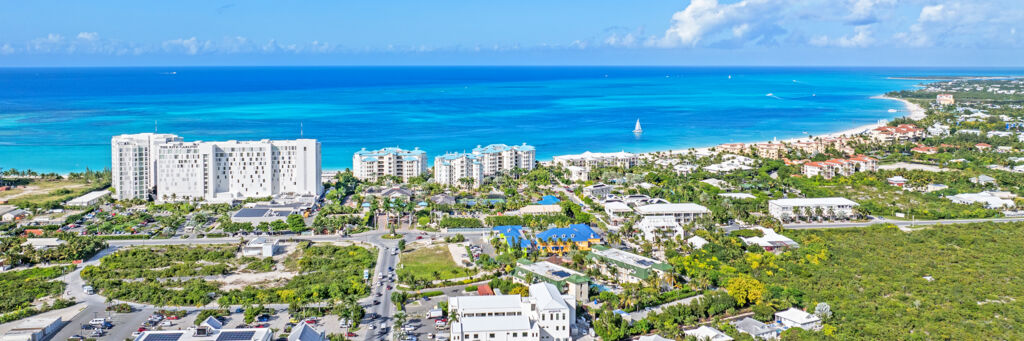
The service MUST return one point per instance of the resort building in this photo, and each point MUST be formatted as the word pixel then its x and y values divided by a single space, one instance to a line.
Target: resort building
pixel 577 173
pixel 902 132
pixel 589 160
pixel 771 150
pixel 770 241
pixel 945 99
pixel 573 282
pixel 450 168
pixel 784 209
pixel 840 167
pixel 370 165
pixel 564 239
pixel 234 170
pixel 664 227
pixel 544 315
pixel 626 267
pixel 684 213
pixel 796 318
pixel 133 164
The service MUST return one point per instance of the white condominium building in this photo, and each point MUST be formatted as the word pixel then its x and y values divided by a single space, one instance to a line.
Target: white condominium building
pixel 684 213
pixel 545 315
pixel 133 163
pixel 498 158
pixel 588 160
pixel 483 161
pixel 810 207
pixel 235 170
pixel 451 168
pixel 370 165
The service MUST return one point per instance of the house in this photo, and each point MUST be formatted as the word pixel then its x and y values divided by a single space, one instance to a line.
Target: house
pixel 628 267
pixel 14 215
pixel 684 213
pixel 983 180
pixel 597 191
pixel 564 239
pixel 925 150
pixel 705 333
pixel 653 337
pixel 683 169
pixel 989 199
pixel 259 247
pixel 697 242
pixel 796 318
pixel 737 195
pixel 305 332
pixel 770 240
pixel 577 173
pixel 897 181
pixel 574 283
pixel 784 209
pixel 755 328
pixel 617 211
pixel 443 199
pixel 717 183
pixel 540 209
pixel 934 187
pixel 983 146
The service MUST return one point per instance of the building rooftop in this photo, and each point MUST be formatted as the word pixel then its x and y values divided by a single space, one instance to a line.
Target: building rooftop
pixel 705 333
pixel 549 270
pixel 547 296
pixel 671 209
pixel 574 232
pixel 752 326
pixel 491 323
pixel 495 302
pixel 797 316
pixel 833 201
pixel 85 199
pixel 626 258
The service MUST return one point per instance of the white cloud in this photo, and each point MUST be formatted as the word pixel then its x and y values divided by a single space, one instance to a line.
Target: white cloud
pixel 90 36
pixel 704 18
pixel 861 37
pixel 864 12
pixel 7 49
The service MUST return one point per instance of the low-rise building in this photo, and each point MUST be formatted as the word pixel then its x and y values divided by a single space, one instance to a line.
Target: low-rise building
pixel 945 99
pixel 902 132
pixel 597 191
pixel 544 315
pixel 988 199
pixel 14 215
pixel 697 242
pixel 43 243
pixel 770 240
pixel 571 281
pixel 540 209
pixel 617 211
pixel 564 239
pixel 684 213
pixel 513 236
pixel 705 333
pixel 654 227
pixel 983 180
pixel 577 173
pixel 260 247
pixel 34 329
pixel 756 329
pixel 897 181
pixel 784 209
pixel 628 267
pixel 210 330
pixel 589 160
pixel 796 318
pixel 89 199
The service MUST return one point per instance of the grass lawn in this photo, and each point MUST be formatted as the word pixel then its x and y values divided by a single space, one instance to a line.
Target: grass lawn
pixel 431 263
pixel 953 282
pixel 41 191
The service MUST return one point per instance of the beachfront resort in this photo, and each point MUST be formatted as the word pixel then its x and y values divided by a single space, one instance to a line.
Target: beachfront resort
pixel 253 240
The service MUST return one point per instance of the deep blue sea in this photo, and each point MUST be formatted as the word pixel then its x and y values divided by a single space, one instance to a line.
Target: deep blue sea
pixel 61 119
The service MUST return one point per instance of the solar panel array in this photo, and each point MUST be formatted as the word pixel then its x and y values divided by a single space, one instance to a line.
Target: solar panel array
pixel 163 337
pixel 236 336
pixel 560 274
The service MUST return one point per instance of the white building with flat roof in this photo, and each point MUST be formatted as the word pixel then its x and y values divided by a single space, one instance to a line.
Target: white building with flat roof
pixel 660 226
pixel 705 333
pixel 451 168
pixel 370 165
pixel 683 213
pixel 493 159
pixel 588 160
pixel 133 164
pixel 89 199
pixel 799 207
pixel 235 170
pixel 796 318
pixel 210 330
pixel 260 247
pixel 544 315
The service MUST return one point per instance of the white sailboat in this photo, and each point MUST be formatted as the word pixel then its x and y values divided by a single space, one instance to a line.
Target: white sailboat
pixel 638 129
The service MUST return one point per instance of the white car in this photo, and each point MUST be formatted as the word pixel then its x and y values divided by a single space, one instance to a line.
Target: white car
pixel 166 323
pixel 371 326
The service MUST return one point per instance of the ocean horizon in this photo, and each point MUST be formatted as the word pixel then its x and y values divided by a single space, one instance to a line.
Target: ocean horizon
pixel 62 119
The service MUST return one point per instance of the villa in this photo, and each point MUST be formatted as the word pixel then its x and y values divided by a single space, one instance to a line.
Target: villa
pixel 796 318
pixel 770 241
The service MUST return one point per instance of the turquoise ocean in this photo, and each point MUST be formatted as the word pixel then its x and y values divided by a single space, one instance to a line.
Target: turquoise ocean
pixel 62 119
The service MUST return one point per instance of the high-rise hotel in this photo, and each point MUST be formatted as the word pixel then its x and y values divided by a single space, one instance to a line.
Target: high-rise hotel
pixel 483 161
pixel 216 171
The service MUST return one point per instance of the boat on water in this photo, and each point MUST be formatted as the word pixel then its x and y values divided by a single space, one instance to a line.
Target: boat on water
pixel 638 129
pixel 893 110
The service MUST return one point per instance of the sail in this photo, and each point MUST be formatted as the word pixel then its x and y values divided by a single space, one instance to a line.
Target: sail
pixel 637 129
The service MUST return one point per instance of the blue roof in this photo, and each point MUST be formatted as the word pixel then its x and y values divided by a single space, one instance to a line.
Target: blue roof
pixel 366 204
pixel 548 200
pixel 575 232
pixel 422 203
pixel 512 234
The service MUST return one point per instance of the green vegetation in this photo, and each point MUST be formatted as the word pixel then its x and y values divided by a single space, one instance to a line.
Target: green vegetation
pixel 51 191
pixel 874 280
pixel 327 273
pixel 18 289
pixel 451 222
pixel 422 266
pixel 74 248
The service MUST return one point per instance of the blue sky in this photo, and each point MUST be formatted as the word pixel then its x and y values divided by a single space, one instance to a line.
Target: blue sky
pixel 523 32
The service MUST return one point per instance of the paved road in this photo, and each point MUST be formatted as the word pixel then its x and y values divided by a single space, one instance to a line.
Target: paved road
pixel 901 223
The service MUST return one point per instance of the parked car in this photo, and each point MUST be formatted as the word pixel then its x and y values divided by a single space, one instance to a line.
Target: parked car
pixel 350 334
